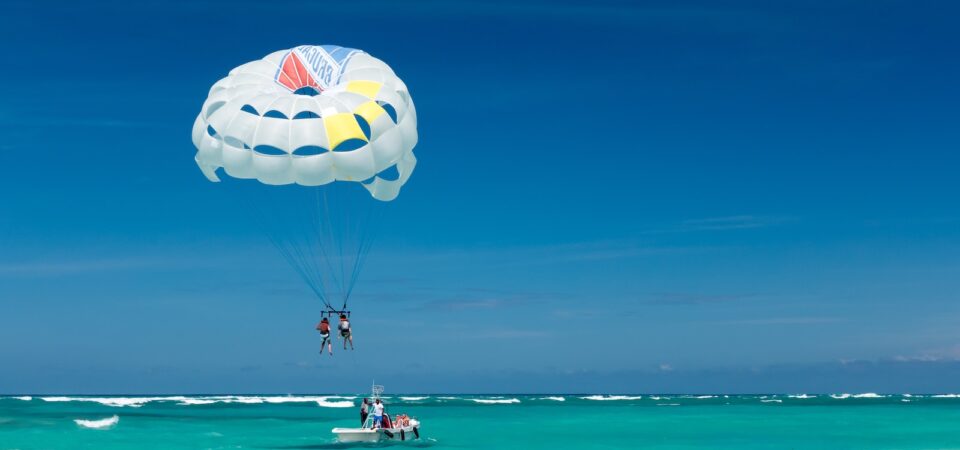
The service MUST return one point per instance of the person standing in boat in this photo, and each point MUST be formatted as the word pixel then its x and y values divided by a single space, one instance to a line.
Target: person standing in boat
pixel 364 411
pixel 324 328
pixel 345 333
pixel 378 414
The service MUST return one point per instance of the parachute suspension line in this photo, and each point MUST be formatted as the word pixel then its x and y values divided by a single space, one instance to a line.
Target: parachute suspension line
pixel 357 228
pixel 325 236
pixel 294 256
pixel 340 230
pixel 367 236
pixel 321 229
pixel 344 230
pixel 331 232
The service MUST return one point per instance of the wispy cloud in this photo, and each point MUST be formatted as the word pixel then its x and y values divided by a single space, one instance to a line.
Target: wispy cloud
pixel 787 321
pixel 575 252
pixel 509 334
pixel 74 121
pixel 688 298
pixel 481 299
pixel 933 355
pixel 43 268
pixel 461 304
pixel 58 266
pixel 733 222
pixel 723 223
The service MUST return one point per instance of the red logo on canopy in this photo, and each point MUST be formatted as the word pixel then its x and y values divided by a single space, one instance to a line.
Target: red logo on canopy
pixel 294 75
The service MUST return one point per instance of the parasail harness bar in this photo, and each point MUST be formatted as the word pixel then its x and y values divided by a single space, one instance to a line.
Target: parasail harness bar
pixel 335 313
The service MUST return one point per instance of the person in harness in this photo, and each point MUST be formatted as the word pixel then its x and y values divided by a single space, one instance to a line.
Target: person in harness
pixel 324 328
pixel 345 332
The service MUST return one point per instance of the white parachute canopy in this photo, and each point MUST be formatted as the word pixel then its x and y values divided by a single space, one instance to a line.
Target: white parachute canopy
pixel 311 115
pixel 309 124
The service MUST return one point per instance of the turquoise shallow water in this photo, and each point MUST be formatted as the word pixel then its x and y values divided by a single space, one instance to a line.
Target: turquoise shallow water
pixel 486 422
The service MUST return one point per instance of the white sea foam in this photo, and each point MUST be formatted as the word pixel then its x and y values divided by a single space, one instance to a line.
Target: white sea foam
pixel 556 399
pixel 413 399
pixel 98 424
pixel 335 404
pixel 840 396
pixel 495 401
pixel 801 396
pixel 449 398
pixel 705 396
pixel 196 401
pixel 611 397
pixel 25 398
pixel 133 402
pixel 136 402
pixel 324 401
pixel 772 400
pixel 945 396
pixel 869 395
pixel 668 404
pixel 293 399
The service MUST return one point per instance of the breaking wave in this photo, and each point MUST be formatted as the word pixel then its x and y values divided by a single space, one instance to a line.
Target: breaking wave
pixel 335 404
pixel 136 402
pixel 495 401
pixel 101 424
pixel 869 395
pixel 197 401
pixel 556 399
pixel 413 399
pixel 133 402
pixel 612 397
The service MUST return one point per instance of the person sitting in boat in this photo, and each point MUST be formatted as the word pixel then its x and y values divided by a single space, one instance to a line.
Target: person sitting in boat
pixel 324 328
pixel 345 332
pixel 364 411
pixel 378 414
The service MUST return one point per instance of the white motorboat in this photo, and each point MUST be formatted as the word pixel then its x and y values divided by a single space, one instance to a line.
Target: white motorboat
pixel 399 427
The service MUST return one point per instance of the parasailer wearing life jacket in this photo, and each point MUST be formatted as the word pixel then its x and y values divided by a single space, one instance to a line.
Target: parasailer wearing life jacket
pixel 318 187
pixel 324 328
pixel 345 332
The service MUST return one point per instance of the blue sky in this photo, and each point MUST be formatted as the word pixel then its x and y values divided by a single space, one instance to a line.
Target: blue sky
pixel 610 197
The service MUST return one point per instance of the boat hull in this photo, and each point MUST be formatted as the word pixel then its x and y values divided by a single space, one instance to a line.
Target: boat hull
pixel 377 435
